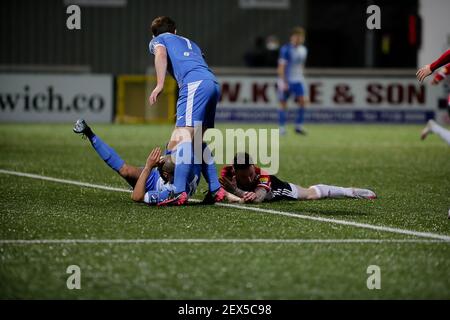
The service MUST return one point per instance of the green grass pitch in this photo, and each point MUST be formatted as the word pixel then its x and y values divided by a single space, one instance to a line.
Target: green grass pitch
pixel 411 178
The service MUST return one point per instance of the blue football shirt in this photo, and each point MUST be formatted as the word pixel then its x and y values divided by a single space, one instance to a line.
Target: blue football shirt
pixel 185 60
pixel 294 59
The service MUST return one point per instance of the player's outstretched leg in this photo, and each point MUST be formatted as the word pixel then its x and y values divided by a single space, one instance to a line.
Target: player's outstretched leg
pixel 105 152
pixel 322 191
pixel 108 154
pixel 433 127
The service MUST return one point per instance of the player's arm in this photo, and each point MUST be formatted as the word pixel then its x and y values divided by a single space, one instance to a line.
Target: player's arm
pixel 428 69
pixel 255 197
pixel 231 186
pixel 161 68
pixel 232 198
pixel 281 71
pixel 139 189
pixel 441 75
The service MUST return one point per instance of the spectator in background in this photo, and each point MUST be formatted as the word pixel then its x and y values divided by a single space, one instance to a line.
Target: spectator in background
pixel 264 52
pixel 272 51
pixel 256 56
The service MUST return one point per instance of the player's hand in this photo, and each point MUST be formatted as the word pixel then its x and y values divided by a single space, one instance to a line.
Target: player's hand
pixel 154 96
pixel 306 100
pixel 282 85
pixel 249 196
pixel 233 198
pixel 153 158
pixel 423 72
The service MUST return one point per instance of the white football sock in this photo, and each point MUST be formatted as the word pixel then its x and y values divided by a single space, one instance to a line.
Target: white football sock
pixel 325 191
pixel 443 133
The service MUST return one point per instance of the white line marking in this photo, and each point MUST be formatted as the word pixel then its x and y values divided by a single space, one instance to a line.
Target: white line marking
pixel 76 183
pixel 344 222
pixel 252 208
pixel 225 241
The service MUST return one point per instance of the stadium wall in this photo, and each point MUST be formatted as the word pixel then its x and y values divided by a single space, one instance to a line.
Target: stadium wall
pixel 115 39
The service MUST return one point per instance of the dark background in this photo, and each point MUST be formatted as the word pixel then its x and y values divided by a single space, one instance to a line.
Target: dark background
pixel 115 39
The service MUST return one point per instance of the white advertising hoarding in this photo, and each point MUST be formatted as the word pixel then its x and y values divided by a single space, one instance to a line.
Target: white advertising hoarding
pixel 55 98
pixel 332 99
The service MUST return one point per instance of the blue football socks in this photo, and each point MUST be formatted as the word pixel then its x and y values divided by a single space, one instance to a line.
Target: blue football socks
pixel 107 153
pixel 183 165
pixel 209 169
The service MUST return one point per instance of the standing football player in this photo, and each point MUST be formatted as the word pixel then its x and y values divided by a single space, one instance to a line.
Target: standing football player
pixel 422 73
pixel 199 93
pixel 291 81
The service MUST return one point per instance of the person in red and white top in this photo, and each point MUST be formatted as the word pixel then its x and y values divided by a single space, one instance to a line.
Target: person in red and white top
pixel 428 69
pixel 422 73
pixel 253 185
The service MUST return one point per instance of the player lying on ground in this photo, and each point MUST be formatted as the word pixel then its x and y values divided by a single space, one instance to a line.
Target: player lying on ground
pixel 253 185
pixel 196 105
pixel 152 183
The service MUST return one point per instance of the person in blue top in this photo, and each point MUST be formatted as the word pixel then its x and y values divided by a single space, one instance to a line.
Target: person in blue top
pixel 151 183
pixel 291 81
pixel 199 93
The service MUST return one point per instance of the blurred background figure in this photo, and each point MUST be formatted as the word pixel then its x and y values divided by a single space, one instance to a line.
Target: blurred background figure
pixel 442 74
pixel 272 50
pixel 256 56
pixel 291 79
pixel 264 52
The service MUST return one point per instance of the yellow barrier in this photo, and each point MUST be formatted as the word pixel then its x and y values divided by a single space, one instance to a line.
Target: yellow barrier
pixel 132 100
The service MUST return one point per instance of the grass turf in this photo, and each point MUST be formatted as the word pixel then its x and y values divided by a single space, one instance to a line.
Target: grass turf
pixel 410 177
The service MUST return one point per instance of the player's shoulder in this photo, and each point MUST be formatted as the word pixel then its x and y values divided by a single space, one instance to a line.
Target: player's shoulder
pixel 227 171
pixel 160 40
pixel 285 47
pixel 261 172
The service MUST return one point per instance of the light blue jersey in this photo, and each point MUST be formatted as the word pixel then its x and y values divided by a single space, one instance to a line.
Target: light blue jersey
pixel 294 59
pixel 199 90
pixel 185 60
pixel 157 190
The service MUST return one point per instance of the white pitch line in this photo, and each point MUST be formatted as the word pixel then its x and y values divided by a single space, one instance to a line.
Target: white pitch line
pixel 419 234
pixel 76 183
pixel 224 241
pixel 344 222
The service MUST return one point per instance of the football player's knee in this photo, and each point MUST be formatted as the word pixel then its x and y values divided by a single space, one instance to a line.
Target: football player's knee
pixel 312 194
pixel 125 171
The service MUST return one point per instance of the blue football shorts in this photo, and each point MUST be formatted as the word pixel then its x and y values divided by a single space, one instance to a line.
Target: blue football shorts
pixel 295 88
pixel 197 103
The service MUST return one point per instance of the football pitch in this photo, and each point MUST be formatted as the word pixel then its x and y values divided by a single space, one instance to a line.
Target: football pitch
pixel 283 250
